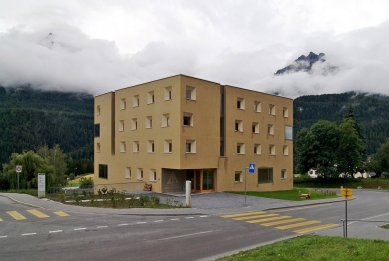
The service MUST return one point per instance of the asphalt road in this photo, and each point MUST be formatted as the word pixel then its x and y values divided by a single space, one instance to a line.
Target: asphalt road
pixel 85 236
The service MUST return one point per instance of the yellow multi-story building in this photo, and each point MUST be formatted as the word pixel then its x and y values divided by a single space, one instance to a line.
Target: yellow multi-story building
pixel 182 128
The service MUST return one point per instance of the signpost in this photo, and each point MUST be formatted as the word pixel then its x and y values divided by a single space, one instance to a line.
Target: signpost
pixel 18 170
pixel 251 168
pixel 41 185
pixel 347 193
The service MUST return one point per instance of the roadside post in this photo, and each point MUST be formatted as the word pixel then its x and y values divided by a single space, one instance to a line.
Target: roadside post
pixel 18 170
pixel 41 185
pixel 346 193
pixel 251 168
pixel 188 195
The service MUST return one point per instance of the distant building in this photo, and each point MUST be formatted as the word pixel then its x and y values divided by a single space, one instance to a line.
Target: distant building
pixel 182 128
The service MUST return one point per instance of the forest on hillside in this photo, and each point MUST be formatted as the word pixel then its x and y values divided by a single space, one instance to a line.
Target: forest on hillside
pixel 371 113
pixel 30 118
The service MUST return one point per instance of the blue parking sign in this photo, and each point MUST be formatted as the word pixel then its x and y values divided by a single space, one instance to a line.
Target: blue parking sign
pixel 252 168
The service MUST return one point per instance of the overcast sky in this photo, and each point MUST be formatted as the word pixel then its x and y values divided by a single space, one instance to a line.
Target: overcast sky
pixel 99 46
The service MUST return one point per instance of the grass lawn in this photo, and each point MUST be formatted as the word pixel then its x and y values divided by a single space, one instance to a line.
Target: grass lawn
pixel 289 194
pixel 323 248
pixel 32 192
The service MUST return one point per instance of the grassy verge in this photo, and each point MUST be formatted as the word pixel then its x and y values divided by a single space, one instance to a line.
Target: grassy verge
pixel 115 200
pixel 304 182
pixel 290 194
pixel 386 226
pixel 324 248
pixel 32 192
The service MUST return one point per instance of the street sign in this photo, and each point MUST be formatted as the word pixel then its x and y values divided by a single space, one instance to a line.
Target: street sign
pixel 347 193
pixel 252 168
pixel 18 168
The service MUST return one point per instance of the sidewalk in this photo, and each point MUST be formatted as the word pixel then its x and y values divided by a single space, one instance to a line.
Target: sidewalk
pixel 202 204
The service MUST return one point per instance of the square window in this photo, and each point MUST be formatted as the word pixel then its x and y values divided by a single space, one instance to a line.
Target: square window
pixel 135 146
pixel 238 176
pixel 265 175
pixel 238 125
pixel 240 148
pixel 168 147
pixel 149 122
pixel 257 149
pixel 188 119
pixel 135 101
pixel 153 175
pixel 285 150
pixel 98 147
pixel 123 104
pixel 122 146
pixel 270 129
pixel 190 146
pixel 139 174
pixel 240 103
pixel 283 174
pixel 190 93
pixel 272 109
pixel 255 127
pixel 103 171
pixel 98 110
pixel 168 93
pixel 150 146
pixel 285 112
pixel 134 124
pixel 257 106
pixel 272 150
pixel 128 172
pixel 150 97
pixel 121 125
pixel 166 120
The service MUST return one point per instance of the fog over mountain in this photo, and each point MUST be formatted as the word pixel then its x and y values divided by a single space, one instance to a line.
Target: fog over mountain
pixel 60 52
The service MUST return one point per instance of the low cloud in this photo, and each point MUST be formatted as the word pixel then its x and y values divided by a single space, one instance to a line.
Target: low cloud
pixel 70 60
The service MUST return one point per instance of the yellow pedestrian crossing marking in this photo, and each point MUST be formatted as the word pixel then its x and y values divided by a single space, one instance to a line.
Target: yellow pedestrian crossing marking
pixel 16 215
pixel 61 214
pixel 282 222
pixel 37 213
pixel 270 218
pixel 267 219
pixel 243 214
pixel 310 229
pixel 299 224
pixel 255 216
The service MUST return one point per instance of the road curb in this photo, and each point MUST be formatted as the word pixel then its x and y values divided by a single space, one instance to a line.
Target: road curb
pixel 20 202
pixel 310 204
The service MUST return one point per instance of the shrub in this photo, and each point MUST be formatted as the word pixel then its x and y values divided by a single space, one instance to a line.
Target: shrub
pixel 86 183
pixel 62 197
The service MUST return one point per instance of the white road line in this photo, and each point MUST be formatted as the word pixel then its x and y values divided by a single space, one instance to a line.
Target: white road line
pixel 189 217
pixel 187 235
pixel 101 226
pixel 3 236
pixel 81 228
pixel 55 231
pixel 349 223
pixel 28 234
pixel 141 222
pixel 203 216
pixel 122 225
pixel 158 221
pixel 174 219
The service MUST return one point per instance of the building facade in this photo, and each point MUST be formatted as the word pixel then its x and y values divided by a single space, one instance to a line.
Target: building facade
pixel 182 128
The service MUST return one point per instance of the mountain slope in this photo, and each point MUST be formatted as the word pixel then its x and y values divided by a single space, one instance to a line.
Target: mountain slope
pixel 371 112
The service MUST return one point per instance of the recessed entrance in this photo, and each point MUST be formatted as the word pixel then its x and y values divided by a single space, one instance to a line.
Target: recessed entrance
pixel 202 180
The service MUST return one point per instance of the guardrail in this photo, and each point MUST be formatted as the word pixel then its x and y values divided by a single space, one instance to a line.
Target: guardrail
pixel 344 221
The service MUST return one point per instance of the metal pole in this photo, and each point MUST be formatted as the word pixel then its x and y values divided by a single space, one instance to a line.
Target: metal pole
pixel 18 180
pixel 344 232
pixel 346 213
pixel 245 186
